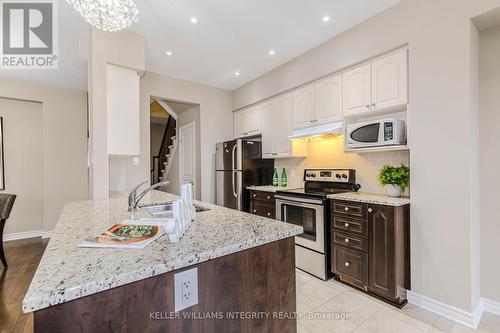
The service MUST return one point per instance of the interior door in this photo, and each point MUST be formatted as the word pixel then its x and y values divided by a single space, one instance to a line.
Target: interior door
pixel 303 107
pixel 187 155
pixel 390 81
pixel 356 90
pixel 328 104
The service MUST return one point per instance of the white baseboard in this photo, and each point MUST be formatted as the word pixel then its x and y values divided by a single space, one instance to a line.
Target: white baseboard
pixel 470 319
pixel 27 234
pixel 490 306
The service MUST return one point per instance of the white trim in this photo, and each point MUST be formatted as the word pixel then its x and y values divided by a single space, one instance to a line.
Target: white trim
pixel 46 234
pixel 22 235
pixel 179 144
pixel 490 306
pixel 470 319
pixel 27 234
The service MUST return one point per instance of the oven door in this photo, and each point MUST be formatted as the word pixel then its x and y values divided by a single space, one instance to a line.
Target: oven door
pixel 307 213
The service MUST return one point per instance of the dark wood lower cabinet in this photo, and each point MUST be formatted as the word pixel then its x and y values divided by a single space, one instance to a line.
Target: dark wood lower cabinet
pixel 385 259
pixel 262 204
pixel 257 280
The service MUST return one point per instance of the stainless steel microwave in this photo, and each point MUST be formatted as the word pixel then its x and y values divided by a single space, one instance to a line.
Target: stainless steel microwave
pixel 386 132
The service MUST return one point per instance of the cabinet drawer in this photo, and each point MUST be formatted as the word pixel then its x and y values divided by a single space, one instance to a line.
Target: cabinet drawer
pixel 350 225
pixel 350 265
pixel 259 209
pixel 262 196
pixel 354 209
pixel 347 240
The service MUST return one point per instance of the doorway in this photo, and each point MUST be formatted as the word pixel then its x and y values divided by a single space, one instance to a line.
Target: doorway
pixel 167 118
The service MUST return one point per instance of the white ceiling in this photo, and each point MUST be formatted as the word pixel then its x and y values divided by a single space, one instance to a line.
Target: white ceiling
pixel 230 36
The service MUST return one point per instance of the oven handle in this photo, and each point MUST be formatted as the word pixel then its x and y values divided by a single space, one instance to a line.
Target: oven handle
pixel 295 199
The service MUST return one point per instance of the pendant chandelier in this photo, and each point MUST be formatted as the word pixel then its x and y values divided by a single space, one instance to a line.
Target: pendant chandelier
pixel 107 15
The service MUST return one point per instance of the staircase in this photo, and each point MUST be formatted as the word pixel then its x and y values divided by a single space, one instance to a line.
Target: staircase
pixel 163 160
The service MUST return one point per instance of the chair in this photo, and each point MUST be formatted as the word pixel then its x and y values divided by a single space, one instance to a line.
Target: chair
pixel 6 203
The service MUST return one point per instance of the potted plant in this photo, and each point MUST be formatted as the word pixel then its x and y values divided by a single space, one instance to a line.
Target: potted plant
pixel 395 179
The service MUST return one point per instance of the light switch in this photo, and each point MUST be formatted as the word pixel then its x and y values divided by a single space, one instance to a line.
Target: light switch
pixel 135 161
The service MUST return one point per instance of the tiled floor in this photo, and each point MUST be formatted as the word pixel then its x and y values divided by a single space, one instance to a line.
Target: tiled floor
pixel 331 307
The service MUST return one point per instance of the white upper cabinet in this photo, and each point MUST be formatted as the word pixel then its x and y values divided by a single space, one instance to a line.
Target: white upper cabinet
pixel 123 111
pixel 380 85
pixel 357 90
pixel 283 112
pixel 390 81
pixel 247 122
pixel 303 107
pixel 268 119
pixel 328 100
pixel 277 118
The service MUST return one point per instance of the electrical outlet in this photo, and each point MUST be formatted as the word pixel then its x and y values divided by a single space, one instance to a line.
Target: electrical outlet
pixel 186 289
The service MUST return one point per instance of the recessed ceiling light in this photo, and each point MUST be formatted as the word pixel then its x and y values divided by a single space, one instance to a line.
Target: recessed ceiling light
pixel 169 53
pixel 237 73
pixel 326 18
pixel 272 52
pixel 193 20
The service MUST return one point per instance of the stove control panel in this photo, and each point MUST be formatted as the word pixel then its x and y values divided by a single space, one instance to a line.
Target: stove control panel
pixel 328 175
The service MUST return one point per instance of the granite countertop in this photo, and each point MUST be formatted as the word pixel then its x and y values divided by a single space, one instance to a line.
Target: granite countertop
pixel 377 199
pixel 67 272
pixel 269 188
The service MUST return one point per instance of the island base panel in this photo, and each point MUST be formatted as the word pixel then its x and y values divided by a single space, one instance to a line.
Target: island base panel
pixel 256 282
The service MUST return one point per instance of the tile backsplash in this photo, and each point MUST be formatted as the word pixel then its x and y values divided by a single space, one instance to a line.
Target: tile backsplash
pixel 329 154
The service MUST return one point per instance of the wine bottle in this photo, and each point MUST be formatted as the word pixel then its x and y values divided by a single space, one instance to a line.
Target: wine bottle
pixel 275 177
pixel 284 181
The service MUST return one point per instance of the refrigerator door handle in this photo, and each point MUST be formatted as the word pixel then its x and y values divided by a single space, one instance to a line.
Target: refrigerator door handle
pixel 234 186
pixel 233 154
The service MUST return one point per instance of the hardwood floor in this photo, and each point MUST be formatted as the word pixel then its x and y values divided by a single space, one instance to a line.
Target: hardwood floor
pixel 23 258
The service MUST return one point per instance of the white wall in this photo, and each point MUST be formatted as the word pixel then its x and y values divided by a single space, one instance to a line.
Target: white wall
pixel 64 141
pixel 444 168
pixel 22 144
pixel 489 136
pixel 215 117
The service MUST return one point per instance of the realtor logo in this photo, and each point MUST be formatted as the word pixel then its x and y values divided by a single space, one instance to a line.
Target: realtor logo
pixel 29 34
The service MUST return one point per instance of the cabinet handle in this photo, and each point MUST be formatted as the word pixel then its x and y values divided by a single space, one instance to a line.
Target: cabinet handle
pixel 367 106
pixel 347 225
pixel 268 214
pixel 346 240
pixel 373 104
pixel 268 197
pixel 370 210
pixel 255 210
pixel 254 195
pixel 346 209
pixel 347 264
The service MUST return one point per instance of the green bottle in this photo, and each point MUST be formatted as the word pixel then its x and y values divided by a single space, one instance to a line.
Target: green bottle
pixel 283 178
pixel 275 177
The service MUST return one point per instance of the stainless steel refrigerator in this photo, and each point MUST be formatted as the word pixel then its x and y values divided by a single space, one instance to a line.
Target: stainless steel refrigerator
pixel 239 164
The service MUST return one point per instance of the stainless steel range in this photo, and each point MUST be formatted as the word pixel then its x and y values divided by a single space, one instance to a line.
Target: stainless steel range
pixel 309 208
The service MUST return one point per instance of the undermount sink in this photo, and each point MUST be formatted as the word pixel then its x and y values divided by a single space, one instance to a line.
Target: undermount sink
pixel 164 209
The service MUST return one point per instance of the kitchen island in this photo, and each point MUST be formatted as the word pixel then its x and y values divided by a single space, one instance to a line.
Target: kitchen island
pixel 245 264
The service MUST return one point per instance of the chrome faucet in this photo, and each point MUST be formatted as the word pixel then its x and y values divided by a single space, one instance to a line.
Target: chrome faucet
pixel 134 198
